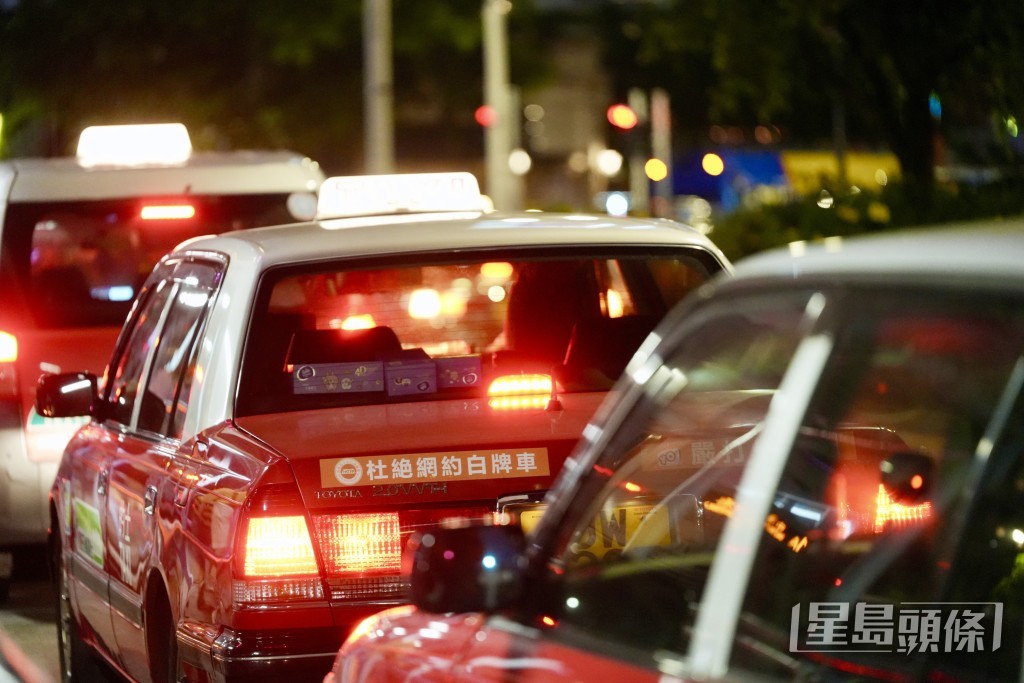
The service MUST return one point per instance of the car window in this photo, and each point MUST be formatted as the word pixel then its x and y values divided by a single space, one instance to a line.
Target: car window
pixel 129 368
pixel 629 575
pixel 878 558
pixel 447 329
pixel 80 264
pixel 167 389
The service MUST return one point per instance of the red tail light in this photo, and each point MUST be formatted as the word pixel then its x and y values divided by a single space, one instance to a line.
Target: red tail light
pixel 362 552
pixel 167 212
pixel 510 392
pixel 360 544
pixel 278 546
pixel 8 356
pixel 888 512
pixel 275 561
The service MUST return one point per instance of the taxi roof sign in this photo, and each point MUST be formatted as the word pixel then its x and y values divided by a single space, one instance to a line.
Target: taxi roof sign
pixel 134 145
pixel 370 195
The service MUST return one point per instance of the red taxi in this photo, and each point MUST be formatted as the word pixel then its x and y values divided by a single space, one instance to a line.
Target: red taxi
pixel 813 471
pixel 77 237
pixel 286 405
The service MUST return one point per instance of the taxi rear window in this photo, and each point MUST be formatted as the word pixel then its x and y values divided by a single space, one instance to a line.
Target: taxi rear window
pixel 80 264
pixel 476 327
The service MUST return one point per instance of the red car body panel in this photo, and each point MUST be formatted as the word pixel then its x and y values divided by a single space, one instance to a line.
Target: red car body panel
pixel 410 646
pixel 305 439
pixel 189 537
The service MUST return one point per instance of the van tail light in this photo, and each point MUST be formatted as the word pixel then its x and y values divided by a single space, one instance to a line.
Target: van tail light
pixel 167 212
pixel 275 561
pixel 362 552
pixel 8 357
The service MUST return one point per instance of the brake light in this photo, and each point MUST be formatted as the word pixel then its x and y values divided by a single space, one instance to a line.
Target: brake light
pixel 363 321
pixel 278 546
pixel 360 544
pixel 275 560
pixel 167 212
pixel 8 356
pixel 888 512
pixel 520 391
pixel 8 347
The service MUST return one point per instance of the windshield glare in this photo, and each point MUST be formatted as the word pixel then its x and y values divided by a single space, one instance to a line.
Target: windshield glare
pixel 448 329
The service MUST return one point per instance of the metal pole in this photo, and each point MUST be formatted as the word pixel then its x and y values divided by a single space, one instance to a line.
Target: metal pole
pixel 639 189
pixel 378 90
pixel 497 139
pixel 661 148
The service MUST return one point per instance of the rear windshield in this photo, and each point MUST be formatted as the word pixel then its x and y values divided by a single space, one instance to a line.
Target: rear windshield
pixel 427 331
pixel 79 264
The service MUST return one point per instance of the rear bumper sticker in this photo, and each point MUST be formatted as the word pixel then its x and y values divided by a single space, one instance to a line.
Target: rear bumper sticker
pixel 432 467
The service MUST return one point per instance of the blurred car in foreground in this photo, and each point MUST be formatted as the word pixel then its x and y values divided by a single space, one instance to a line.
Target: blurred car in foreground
pixel 286 405
pixel 813 470
pixel 77 237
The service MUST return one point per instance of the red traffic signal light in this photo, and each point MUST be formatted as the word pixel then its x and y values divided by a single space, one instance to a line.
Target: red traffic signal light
pixel 622 116
pixel 485 115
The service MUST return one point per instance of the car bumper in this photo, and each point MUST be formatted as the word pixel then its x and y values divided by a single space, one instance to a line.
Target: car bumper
pixel 24 484
pixel 225 655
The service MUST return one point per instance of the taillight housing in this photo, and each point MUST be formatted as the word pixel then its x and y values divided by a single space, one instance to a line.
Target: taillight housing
pixel 353 556
pixel 275 561
pixel 362 551
pixel 8 358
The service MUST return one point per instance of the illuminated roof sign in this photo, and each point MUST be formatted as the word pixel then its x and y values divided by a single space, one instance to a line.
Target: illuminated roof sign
pixel 373 195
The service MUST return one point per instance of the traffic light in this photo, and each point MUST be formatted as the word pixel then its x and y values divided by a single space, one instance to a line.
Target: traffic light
pixel 485 115
pixel 622 116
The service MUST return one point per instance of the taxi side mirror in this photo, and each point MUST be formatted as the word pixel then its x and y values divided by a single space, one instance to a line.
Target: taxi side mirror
pixel 66 394
pixel 907 476
pixel 474 568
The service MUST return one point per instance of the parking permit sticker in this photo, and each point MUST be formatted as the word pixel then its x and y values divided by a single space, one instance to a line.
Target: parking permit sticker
pixel 88 532
pixel 338 378
pixel 687 454
pixel 434 467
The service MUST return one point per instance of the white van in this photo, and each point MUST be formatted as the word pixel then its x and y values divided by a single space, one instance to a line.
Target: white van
pixel 77 237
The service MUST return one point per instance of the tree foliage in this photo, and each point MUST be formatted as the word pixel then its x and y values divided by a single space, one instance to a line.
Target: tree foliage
pixel 872 66
pixel 238 73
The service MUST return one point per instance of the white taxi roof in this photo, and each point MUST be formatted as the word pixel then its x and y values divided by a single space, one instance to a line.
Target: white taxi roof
pixel 991 251
pixel 234 172
pixel 409 233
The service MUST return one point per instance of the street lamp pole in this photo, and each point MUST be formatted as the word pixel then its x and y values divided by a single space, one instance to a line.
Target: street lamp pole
pixel 378 88
pixel 498 135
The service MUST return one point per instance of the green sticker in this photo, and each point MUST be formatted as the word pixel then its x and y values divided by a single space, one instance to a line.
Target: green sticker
pixel 88 532
pixel 37 420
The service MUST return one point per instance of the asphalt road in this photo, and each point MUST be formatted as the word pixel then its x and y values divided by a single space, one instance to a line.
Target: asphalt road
pixel 29 614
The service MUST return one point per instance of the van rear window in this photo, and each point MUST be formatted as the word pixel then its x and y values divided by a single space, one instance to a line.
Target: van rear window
pixel 80 264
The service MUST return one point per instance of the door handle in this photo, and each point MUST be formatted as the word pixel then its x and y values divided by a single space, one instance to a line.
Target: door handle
pixel 149 503
pixel 101 482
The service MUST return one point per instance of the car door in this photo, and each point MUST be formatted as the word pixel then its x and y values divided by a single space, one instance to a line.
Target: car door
pixel 622 572
pixel 143 473
pixel 897 555
pixel 91 455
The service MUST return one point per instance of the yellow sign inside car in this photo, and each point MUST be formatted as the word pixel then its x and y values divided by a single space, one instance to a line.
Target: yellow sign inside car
pixel 611 532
